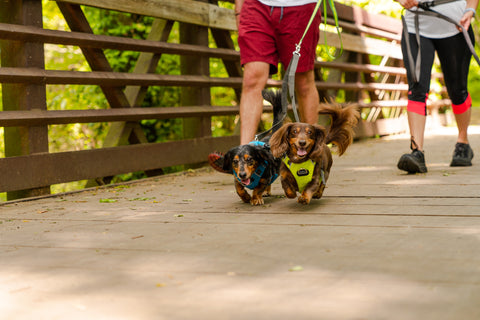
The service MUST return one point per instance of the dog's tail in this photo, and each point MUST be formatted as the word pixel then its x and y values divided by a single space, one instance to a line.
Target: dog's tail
pixel 279 110
pixel 343 123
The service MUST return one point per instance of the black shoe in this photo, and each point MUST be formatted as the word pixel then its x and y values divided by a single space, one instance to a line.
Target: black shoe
pixel 413 162
pixel 462 156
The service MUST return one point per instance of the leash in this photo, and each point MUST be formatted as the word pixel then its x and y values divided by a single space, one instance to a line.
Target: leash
pixel 426 6
pixel 288 85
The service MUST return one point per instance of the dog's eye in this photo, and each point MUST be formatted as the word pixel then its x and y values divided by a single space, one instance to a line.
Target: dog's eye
pixel 235 162
pixel 250 161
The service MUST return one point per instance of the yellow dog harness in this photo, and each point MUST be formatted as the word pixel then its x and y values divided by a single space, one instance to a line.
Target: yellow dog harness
pixel 303 172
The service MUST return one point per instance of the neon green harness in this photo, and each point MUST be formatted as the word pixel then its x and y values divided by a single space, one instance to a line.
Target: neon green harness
pixel 303 172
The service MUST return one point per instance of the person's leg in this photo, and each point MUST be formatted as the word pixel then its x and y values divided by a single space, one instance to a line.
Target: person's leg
pixel 455 56
pixel 255 76
pixel 307 96
pixel 292 26
pixel 416 125
pixel 414 162
pixel 418 91
pixel 463 121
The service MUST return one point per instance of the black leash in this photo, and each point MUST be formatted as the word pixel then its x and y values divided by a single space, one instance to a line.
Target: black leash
pixel 426 6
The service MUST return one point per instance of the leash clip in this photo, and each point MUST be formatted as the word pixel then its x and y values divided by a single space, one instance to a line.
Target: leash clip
pixel 297 49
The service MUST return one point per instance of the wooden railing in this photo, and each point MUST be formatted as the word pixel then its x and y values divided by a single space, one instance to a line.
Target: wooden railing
pixel 29 169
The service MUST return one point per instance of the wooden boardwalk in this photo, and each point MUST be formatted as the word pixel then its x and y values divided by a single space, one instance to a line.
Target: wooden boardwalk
pixel 379 245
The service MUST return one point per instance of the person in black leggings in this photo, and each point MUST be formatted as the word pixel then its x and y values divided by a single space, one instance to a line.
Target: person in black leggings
pixel 454 56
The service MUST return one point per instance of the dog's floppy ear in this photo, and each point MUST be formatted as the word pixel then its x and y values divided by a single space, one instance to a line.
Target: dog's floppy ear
pixel 227 160
pixel 320 135
pixel 279 141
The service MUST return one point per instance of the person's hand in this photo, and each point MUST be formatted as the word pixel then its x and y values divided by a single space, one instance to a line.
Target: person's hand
pixel 466 19
pixel 408 4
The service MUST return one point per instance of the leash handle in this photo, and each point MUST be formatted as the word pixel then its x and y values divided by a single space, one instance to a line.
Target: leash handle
pixel 290 76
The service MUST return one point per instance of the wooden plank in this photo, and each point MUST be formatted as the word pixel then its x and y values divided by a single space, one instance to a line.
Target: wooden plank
pixel 110 79
pixel 43 117
pixel 193 12
pixel 19 75
pixel 82 39
pixel 46 169
pixel 361 17
pixel 358 29
pixel 371 68
pixel 362 44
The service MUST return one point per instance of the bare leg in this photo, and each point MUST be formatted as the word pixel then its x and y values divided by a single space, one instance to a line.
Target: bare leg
pixel 463 121
pixel 307 96
pixel 255 76
pixel 416 123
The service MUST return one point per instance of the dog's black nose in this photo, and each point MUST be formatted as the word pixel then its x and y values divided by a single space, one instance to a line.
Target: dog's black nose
pixel 302 143
pixel 242 175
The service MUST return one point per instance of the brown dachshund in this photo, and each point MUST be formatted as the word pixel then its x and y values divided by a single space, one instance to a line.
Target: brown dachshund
pixel 306 158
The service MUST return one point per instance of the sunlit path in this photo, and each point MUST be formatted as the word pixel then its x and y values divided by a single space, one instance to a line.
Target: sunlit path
pixel 380 245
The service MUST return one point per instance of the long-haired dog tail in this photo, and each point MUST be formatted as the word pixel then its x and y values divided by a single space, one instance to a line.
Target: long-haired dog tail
pixel 344 120
pixel 279 110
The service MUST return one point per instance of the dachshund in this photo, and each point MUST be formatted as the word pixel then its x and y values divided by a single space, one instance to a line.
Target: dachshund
pixel 254 168
pixel 253 165
pixel 306 158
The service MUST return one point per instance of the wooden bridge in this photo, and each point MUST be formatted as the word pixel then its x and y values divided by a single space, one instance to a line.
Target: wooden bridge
pixel 380 244
pixel 369 73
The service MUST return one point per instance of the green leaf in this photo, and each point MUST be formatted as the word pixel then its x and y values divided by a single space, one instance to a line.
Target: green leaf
pixel 106 200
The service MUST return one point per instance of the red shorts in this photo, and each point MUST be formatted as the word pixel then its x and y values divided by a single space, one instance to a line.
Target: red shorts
pixel 269 34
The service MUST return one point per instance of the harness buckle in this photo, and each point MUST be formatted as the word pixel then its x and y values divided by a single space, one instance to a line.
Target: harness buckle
pixel 426 5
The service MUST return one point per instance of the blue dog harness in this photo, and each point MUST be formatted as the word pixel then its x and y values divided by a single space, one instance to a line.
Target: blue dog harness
pixel 257 175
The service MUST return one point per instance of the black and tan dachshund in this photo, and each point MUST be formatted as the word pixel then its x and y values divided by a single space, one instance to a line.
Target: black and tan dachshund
pixel 254 168
pixel 253 165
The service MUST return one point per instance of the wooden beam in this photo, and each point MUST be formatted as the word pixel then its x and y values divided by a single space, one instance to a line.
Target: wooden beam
pixel 21 75
pixel 194 12
pixel 88 40
pixel 51 168
pixel 371 68
pixel 362 44
pixel 110 79
pixel 43 117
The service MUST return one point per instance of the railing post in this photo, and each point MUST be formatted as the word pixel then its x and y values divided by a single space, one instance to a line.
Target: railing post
pixel 192 65
pixel 20 141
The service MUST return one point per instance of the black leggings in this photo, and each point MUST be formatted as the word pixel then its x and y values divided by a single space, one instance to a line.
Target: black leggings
pixel 454 56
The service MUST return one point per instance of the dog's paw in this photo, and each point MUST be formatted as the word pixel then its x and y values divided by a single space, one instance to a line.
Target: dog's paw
pixel 303 199
pixel 246 198
pixel 256 201
pixel 290 193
